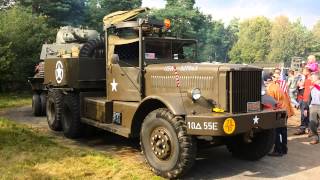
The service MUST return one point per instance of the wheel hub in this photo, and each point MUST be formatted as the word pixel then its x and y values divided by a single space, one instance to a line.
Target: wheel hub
pixel 160 143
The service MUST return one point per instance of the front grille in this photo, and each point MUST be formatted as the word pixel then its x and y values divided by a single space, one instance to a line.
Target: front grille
pixel 245 86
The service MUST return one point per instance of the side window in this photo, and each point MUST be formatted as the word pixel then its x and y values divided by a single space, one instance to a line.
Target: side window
pixel 128 54
pixel 157 50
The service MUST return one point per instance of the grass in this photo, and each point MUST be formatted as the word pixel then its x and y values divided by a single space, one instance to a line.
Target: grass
pixel 8 100
pixel 26 153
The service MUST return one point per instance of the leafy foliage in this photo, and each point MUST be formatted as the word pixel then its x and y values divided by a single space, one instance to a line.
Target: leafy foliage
pixel 189 22
pixel 20 35
pixel 254 41
pixel 59 12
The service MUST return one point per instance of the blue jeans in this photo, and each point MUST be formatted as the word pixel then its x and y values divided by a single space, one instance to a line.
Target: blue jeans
pixel 304 120
pixel 281 141
pixel 292 95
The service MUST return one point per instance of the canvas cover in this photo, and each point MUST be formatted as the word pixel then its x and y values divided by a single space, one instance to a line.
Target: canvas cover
pixel 121 16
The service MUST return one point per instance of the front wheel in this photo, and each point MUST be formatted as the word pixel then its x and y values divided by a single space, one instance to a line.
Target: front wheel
pixel 260 145
pixel 167 148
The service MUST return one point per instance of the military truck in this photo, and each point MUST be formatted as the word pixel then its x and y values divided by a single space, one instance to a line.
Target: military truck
pixel 70 41
pixel 151 86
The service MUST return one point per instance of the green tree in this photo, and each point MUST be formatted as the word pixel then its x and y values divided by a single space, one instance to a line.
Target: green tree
pixel 218 42
pixel 281 46
pixel 189 22
pixel 314 45
pixel 254 41
pixel 21 36
pixel 186 4
pixel 59 12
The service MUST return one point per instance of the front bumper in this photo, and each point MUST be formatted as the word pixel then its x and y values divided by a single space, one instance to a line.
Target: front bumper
pixel 226 124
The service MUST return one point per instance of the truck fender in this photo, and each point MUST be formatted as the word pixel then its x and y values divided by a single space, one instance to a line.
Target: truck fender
pixel 172 102
pixel 151 103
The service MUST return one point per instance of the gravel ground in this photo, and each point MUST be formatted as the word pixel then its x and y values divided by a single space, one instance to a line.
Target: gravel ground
pixel 302 161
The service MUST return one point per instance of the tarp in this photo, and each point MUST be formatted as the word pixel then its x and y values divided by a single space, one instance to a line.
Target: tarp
pixel 121 16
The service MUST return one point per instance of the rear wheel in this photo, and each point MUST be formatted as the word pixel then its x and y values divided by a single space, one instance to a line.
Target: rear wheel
pixel 168 149
pixel 54 107
pixel 260 145
pixel 71 124
pixel 43 98
pixel 36 104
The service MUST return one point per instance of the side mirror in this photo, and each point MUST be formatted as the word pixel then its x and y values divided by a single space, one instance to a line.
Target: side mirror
pixel 115 59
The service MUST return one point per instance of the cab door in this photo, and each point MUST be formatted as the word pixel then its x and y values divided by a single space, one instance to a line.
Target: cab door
pixel 123 74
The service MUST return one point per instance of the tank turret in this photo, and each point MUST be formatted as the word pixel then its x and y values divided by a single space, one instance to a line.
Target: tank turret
pixel 69 42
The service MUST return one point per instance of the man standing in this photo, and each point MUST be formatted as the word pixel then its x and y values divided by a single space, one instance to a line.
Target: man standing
pixel 304 103
pixel 282 98
pixel 314 105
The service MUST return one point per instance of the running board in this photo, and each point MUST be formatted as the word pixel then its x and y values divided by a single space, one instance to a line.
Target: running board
pixel 117 129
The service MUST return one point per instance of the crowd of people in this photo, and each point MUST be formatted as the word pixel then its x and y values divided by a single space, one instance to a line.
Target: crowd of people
pixel 300 90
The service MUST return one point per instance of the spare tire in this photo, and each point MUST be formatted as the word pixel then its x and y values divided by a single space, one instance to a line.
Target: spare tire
pixel 93 49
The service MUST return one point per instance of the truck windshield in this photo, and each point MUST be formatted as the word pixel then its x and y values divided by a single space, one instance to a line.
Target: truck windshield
pixel 169 50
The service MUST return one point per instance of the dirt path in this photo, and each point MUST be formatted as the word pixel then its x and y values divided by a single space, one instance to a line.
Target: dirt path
pixel 302 162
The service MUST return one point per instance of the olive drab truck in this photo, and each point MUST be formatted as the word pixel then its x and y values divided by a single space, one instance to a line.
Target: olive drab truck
pixel 70 41
pixel 151 86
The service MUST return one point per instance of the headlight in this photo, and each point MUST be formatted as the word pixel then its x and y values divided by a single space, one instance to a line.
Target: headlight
pixel 263 92
pixel 196 94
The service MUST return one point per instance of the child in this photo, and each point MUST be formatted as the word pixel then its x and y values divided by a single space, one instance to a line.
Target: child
pixel 312 63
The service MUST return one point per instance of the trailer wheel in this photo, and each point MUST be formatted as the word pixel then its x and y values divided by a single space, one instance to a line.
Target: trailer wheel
pixel 260 146
pixel 167 148
pixel 36 104
pixel 43 98
pixel 54 107
pixel 71 124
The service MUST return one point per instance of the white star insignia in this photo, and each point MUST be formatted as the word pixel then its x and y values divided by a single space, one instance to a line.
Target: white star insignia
pixel 256 120
pixel 114 85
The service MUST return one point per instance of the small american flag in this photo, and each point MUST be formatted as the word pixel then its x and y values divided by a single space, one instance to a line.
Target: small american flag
pixel 283 86
pixel 282 82
pixel 177 76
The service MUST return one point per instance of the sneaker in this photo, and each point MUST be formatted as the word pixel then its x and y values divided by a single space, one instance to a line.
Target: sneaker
pixel 275 154
pixel 299 132
pixel 314 142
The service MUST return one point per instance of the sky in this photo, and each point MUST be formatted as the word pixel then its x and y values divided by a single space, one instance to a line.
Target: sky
pixel 307 10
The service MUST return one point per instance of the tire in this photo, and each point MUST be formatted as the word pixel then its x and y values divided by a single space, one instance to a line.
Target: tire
pixel 71 124
pixel 93 48
pixel 54 108
pixel 260 146
pixel 167 134
pixel 43 98
pixel 36 104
